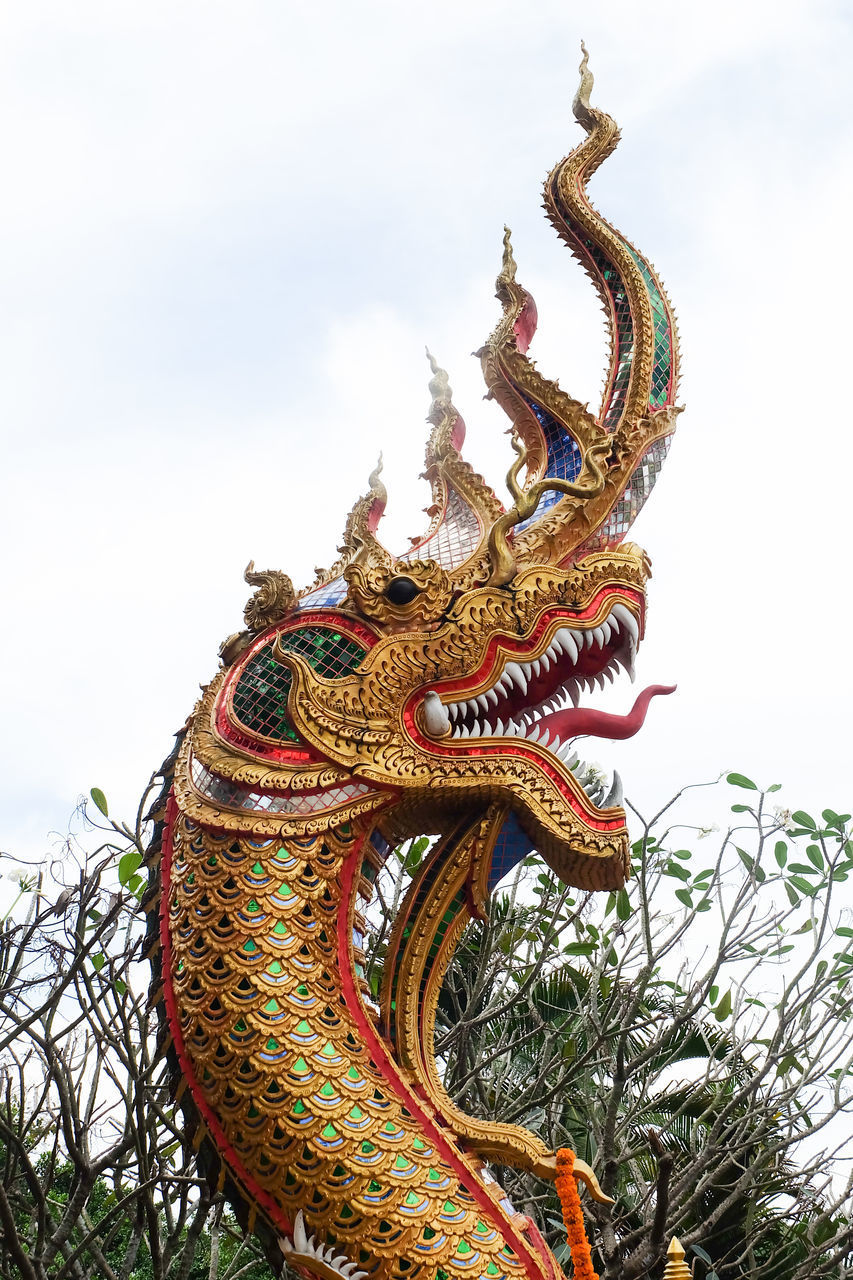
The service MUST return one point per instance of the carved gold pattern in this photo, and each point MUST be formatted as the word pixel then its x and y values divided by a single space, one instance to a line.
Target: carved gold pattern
pixel 305 1098
pixel 273 600
pixel 368 586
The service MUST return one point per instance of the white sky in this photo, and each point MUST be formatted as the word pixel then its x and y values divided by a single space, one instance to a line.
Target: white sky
pixel 226 234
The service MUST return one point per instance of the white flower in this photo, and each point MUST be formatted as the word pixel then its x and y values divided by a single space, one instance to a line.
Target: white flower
pixel 783 817
pixel 22 877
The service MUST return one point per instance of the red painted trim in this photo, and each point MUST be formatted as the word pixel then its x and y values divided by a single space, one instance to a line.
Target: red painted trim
pixel 224 1148
pixel 518 647
pixel 381 1057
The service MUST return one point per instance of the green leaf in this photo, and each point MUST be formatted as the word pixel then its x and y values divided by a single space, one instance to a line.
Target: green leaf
pixel 713 994
pixel 792 897
pixel 724 1008
pixel 803 886
pixel 801 869
pixel 683 895
pixel 844 931
pixel 684 854
pixel 746 859
pixel 804 820
pixel 704 905
pixel 815 856
pixel 741 808
pixel 623 904
pixel 120 986
pixel 100 800
pixel 579 949
pixel 700 1253
pixel 98 962
pixel 680 873
pixel 775 786
pixel 128 865
pixel 780 853
pixel 738 780
pixel 610 904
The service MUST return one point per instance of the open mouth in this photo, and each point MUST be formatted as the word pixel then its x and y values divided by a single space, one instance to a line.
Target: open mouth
pixel 538 700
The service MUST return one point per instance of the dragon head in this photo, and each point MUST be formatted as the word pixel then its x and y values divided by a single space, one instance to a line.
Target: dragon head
pixel 458 674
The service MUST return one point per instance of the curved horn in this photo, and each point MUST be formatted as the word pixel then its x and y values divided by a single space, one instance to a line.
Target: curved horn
pixel 359 543
pixel 565 444
pixel 463 506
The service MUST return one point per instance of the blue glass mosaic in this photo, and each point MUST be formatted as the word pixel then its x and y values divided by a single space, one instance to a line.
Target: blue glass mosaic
pixel 511 847
pixel 323 597
pixel 564 457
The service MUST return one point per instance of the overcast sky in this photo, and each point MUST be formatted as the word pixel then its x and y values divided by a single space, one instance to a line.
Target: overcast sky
pixel 227 232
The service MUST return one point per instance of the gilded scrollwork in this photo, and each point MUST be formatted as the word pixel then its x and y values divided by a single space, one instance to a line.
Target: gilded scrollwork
pixel 437 692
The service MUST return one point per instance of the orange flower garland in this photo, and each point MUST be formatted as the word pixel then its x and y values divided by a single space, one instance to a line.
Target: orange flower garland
pixel 567 1190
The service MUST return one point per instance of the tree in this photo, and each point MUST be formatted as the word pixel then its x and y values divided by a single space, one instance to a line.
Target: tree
pixel 689 1036
pixel 95 1179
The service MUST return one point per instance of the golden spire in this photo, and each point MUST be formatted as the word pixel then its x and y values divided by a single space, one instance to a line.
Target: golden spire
pixel 676 1267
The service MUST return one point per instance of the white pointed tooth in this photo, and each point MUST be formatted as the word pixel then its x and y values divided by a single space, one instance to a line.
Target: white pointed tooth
pixel 573 692
pixel 436 718
pixel 505 683
pixel 483 702
pixel 474 731
pixel 491 697
pixel 568 642
pixel 463 732
pixel 499 729
pixel 605 630
pixel 615 795
pixel 535 667
pixel 598 636
pixel 546 660
pixel 487 730
pixel 599 680
pixel 515 672
pixel 472 706
pixel 608 673
pixel 545 738
pixel 629 665
pixel 533 734
pixel 588 638
pixel 300 1238
pixel 626 617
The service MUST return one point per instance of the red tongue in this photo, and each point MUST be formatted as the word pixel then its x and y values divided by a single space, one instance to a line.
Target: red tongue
pixel 575 722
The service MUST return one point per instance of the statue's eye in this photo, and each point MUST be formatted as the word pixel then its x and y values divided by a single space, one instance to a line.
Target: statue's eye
pixel 401 590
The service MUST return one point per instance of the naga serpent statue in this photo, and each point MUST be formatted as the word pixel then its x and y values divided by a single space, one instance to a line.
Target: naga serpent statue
pixel 437 692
